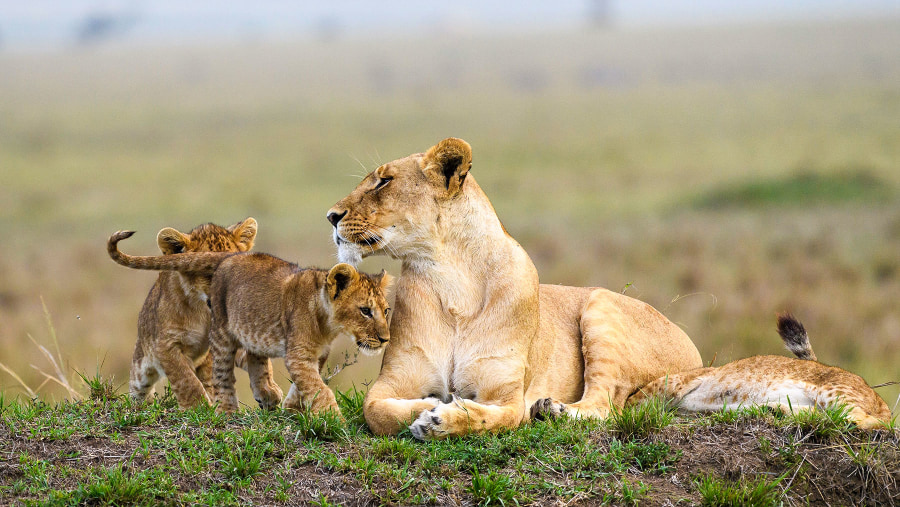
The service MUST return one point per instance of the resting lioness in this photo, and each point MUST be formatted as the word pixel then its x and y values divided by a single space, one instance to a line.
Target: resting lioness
pixel 476 341
pixel 783 383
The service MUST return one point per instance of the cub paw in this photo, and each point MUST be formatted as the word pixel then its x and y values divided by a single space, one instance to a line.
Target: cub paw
pixel 428 426
pixel 269 398
pixel 546 408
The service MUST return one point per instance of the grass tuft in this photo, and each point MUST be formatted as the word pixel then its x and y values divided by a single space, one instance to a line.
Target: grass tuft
pixel 641 420
pixel 721 493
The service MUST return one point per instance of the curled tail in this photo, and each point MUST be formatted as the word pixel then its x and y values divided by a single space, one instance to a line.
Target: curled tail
pixel 794 336
pixel 194 263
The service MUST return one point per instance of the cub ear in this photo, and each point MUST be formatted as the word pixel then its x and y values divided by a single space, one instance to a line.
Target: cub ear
pixel 171 241
pixel 384 280
pixel 448 162
pixel 339 278
pixel 245 233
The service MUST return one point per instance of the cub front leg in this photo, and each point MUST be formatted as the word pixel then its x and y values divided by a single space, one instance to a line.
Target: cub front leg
pixel 461 417
pixel 189 390
pixel 308 390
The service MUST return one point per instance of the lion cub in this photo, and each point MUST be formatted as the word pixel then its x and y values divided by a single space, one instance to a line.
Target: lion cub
pixel 174 321
pixel 781 382
pixel 274 308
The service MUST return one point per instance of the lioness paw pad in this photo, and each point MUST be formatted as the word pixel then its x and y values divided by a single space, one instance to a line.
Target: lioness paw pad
pixel 546 408
pixel 427 426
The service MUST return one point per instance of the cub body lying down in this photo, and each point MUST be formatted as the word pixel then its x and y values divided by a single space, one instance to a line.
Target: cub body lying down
pixel 781 382
pixel 274 308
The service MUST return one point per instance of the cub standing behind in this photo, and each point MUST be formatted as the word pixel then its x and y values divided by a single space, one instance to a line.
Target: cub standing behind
pixel 174 321
pixel 274 308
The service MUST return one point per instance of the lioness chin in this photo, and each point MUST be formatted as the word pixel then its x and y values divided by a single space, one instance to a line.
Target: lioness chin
pixel 477 343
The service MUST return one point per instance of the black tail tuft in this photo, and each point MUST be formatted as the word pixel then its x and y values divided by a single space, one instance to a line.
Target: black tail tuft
pixel 794 336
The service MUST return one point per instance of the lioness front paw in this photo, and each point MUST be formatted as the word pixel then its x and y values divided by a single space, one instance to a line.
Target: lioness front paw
pixel 428 426
pixel 546 408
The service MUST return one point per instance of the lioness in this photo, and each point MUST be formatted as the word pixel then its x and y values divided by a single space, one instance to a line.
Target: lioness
pixel 476 341
pixel 174 321
pixel 274 308
pixel 784 383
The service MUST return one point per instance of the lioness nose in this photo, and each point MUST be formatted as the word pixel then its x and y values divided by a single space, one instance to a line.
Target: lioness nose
pixel 334 217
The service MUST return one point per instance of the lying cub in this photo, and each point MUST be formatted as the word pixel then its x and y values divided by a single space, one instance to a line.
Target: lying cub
pixel 274 308
pixel 780 382
pixel 174 322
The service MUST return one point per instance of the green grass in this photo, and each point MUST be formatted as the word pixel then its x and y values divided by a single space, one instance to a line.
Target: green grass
pixel 198 456
pixel 750 493
pixel 802 190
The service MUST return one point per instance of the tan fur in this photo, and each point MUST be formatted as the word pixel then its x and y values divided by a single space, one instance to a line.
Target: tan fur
pixel 784 383
pixel 273 308
pixel 476 339
pixel 174 321
pixel 276 309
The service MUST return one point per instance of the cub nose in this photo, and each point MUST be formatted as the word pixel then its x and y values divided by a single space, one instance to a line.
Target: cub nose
pixel 335 217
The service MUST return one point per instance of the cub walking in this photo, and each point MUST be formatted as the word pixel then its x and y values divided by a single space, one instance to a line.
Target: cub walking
pixel 174 322
pixel 274 308
pixel 780 382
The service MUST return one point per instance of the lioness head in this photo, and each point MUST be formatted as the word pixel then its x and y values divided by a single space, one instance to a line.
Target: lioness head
pixel 394 208
pixel 358 305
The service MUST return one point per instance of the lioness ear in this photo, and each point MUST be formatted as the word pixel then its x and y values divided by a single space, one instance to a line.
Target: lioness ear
pixel 449 162
pixel 171 241
pixel 245 233
pixel 339 278
pixel 384 280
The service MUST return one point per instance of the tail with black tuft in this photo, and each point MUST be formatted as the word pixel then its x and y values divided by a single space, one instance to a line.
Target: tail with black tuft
pixel 794 336
pixel 194 263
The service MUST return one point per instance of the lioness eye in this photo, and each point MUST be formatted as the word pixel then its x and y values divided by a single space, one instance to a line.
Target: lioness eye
pixel 382 182
pixel 367 312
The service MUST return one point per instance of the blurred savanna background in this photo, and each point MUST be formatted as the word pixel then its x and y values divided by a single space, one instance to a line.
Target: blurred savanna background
pixel 721 162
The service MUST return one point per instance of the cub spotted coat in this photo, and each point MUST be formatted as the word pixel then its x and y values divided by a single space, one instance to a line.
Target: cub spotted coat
pixel 274 308
pixel 174 322
pixel 784 383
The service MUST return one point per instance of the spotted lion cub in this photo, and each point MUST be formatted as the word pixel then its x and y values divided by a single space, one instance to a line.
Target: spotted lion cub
pixel 174 321
pixel 780 382
pixel 273 308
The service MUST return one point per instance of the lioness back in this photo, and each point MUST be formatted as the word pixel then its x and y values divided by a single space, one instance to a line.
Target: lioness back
pixel 174 320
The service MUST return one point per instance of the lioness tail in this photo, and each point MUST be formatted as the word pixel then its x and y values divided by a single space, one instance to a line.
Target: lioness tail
pixel 195 263
pixel 794 336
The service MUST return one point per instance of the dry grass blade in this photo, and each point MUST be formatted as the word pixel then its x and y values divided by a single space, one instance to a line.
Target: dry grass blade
pixel 21 382
pixel 60 377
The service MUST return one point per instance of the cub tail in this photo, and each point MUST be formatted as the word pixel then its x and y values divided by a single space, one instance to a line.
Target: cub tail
pixel 193 263
pixel 794 336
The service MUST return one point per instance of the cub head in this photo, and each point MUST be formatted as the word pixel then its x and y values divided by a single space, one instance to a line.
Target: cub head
pixel 396 207
pixel 207 238
pixel 358 305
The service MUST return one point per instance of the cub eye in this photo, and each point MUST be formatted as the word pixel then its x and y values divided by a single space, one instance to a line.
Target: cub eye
pixel 387 311
pixel 366 311
pixel 382 182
